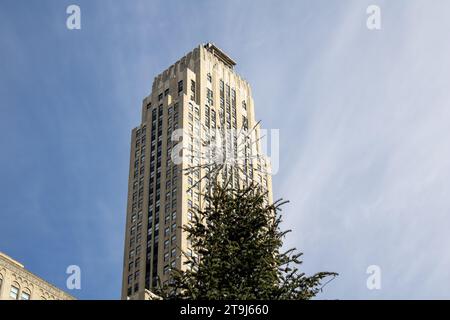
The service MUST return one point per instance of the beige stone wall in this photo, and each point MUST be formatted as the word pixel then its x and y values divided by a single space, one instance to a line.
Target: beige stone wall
pixel 16 283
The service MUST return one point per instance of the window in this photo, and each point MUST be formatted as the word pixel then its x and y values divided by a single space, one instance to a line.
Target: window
pixel 245 122
pixel 209 96
pixel 197 113
pixel 166 269
pixel 192 90
pixel 166 92
pixel 14 293
pixel 208 77
pixel 180 87
pixel 137 262
pixel 160 96
pixel 25 295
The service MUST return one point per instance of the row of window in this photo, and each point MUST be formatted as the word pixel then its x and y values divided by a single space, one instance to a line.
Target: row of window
pixel 227 116
pixel 154 191
pixel 15 293
pixel 154 198
pixel 137 204
pixel 167 91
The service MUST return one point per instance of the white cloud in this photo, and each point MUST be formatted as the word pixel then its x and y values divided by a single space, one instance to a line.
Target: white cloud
pixel 369 182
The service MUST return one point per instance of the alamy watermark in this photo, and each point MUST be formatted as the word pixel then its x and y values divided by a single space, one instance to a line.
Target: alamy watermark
pixel 227 147
pixel 373 282
pixel 373 21
pixel 73 281
pixel 73 21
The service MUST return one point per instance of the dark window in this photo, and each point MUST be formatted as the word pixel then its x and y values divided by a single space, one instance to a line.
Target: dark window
pixel 209 96
pixel 193 90
pixel 180 86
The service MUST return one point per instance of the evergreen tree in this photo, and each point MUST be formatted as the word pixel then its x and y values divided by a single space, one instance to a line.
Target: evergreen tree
pixel 236 240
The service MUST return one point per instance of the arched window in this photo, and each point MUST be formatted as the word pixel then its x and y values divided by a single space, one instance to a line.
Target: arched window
pixel 26 294
pixel 1 284
pixel 14 291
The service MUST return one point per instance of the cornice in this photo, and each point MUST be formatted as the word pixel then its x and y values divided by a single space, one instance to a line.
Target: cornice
pixel 22 275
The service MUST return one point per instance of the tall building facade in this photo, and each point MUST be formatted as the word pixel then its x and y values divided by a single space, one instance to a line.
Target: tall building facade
pixel 17 283
pixel 199 95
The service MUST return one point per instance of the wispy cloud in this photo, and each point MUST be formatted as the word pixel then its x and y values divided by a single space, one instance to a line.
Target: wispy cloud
pixel 363 117
pixel 369 182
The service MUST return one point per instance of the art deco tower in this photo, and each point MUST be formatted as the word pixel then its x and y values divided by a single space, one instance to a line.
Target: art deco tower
pixel 200 92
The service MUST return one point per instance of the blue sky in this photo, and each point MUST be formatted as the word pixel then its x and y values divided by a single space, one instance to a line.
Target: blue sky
pixel 363 118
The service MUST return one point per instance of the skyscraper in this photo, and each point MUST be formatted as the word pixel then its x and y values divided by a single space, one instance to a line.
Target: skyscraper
pixel 199 95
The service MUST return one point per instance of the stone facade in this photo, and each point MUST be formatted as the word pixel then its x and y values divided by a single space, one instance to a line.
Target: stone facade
pixel 17 283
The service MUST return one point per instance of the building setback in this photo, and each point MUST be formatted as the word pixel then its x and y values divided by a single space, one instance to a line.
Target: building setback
pixel 200 92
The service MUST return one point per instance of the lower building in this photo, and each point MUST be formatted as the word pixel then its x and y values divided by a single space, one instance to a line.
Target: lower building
pixel 144 295
pixel 17 283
